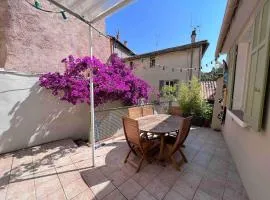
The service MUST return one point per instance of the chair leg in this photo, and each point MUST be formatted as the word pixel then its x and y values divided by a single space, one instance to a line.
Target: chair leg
pixel 127 156
pixel 183 155
pixel 176 166
pixel 140 164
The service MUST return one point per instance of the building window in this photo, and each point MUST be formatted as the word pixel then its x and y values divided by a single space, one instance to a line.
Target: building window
pixel 152 62
pixel 131 65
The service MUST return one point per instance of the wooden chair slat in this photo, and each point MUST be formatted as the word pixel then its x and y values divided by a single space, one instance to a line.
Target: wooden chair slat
pixel 134 140
pixel 135 112
pixel 175 143
pixel 147 110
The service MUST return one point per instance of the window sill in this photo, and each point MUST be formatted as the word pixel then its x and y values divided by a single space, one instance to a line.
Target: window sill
pixel 236 118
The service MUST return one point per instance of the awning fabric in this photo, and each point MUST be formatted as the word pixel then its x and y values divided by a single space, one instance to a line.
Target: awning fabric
pixel 91 10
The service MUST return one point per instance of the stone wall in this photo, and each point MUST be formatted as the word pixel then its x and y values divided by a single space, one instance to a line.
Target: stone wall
pixel 35 41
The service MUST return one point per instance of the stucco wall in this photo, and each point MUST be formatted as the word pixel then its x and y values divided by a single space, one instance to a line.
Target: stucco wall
pixel 174 60
pixel 250 150
pixel 30 115
pixel 35 41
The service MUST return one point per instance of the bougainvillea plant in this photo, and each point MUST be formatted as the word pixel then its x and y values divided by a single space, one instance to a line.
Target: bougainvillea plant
pixel 112 81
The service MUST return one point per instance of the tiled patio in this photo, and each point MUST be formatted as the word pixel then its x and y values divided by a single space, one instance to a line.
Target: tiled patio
pixel 61 170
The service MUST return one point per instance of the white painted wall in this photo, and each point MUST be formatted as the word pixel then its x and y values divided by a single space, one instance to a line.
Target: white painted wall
pixel 250 150
pixel 121 52
pixel 171 60
pixel 31 115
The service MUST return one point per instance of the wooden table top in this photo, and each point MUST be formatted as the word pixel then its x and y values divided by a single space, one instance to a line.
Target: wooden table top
pixel 160 123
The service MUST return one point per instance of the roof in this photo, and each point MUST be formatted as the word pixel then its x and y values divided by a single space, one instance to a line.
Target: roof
pixel 122 45
pixel 208 90
pixel 203 43
pixel 231 8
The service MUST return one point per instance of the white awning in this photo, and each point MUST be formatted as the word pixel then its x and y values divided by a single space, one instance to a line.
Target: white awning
pixel 90 10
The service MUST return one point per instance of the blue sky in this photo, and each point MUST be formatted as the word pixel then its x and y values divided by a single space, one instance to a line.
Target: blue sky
pixel 149 25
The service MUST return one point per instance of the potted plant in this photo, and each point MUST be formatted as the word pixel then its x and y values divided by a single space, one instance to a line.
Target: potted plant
pixel 207 112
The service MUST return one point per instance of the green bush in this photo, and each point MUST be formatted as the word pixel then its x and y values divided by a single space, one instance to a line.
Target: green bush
pixel 191 101
pixel 207 111
pixel 169 92
pixel 189 98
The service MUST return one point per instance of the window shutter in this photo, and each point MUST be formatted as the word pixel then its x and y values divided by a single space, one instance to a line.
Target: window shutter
pixel 232 64
pixel 161 85
pixel 259 64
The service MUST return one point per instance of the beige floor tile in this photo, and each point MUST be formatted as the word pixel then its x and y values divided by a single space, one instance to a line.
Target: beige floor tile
pixel 116 194
pixel 102 189
pixel 144 195
pixel 190 178
pixel 21 190
pixel 157 188
pixel 200 195
pixel 130 189
pixel 85 195
pixel 46 186
pixel 56 195
pixel 185 189
pixel 169 175
pixel 67 174
pixel 74 188
pixel 213 185
pixel 203 159
pixel 219 167
pixel 118 177
pixel 194 168
pixel 98 183
pixel 3 186
pixel 231 194
pixel 173 195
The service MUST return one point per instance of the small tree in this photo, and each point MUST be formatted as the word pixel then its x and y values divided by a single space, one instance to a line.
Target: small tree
pixel 189 98
pixel 169 92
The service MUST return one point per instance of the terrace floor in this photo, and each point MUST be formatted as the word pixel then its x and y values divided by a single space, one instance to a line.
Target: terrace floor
pixel 62 170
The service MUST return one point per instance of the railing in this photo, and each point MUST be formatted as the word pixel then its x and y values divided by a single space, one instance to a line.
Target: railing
pixel 108 122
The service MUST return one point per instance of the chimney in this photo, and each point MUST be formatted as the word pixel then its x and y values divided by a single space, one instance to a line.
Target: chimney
pixel 118 35
pixel 125 42
pixel 193 36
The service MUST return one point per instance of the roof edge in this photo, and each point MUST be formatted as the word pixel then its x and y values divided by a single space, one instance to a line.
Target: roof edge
pixel 203 43
pixel 124 46
pixel 231 8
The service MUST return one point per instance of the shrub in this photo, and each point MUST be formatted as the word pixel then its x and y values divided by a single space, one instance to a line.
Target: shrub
pixel 169 92
pixel 189 98
pixel 192 103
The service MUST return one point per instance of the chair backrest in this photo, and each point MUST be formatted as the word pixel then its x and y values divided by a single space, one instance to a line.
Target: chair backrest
pixel 135 112
pixel 131 130
pixel 183 133
pixel 147 110
pixel 175 110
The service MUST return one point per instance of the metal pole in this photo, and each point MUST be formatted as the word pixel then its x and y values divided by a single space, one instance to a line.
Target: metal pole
pixel 92 109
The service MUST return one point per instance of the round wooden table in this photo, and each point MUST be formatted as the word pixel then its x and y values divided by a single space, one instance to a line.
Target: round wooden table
pixel 160 124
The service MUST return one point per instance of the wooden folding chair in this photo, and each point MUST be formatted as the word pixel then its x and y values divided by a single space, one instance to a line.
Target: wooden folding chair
pixel 147 110
pixel 175 110
pixel 174 144
pixel 135 112
pixel 138 145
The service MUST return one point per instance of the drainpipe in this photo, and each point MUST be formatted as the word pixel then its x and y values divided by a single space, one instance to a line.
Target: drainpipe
pixel 191 63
